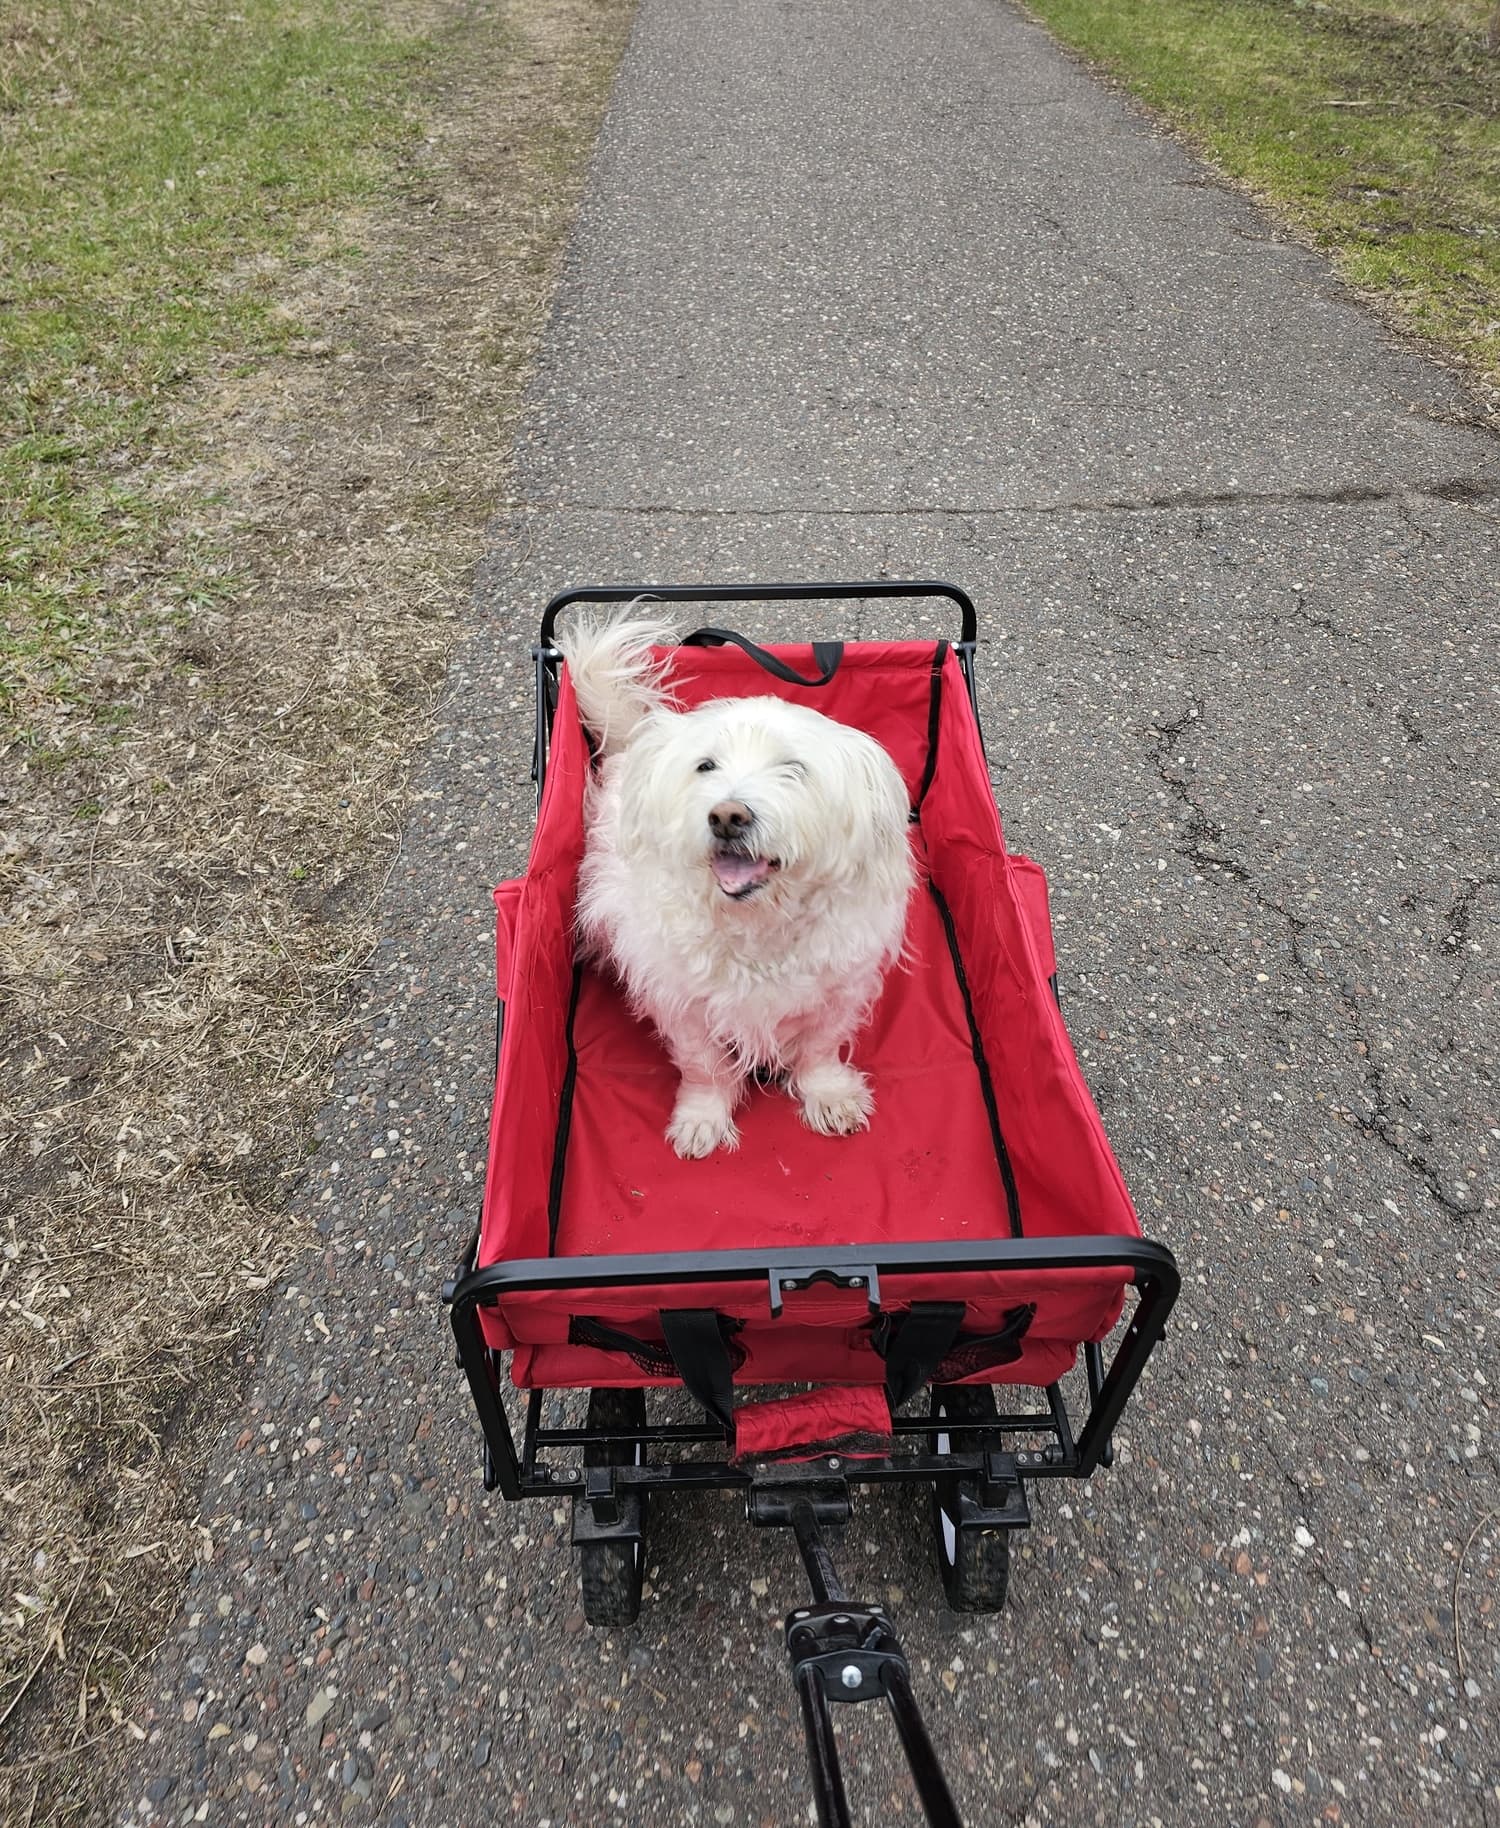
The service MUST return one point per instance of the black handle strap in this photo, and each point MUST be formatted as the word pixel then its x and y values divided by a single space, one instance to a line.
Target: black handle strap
pixel 827 654
pixel 699 1343
pixel 914 1344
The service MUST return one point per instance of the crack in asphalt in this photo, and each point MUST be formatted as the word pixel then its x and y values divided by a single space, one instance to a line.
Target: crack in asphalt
pixel 1302 613
pixel 1381 1123
pixel 1201 829
pixel 1128 618
pixel 1456 940
pixel 1462 491
pixel 1377 1657
pixel 1408 515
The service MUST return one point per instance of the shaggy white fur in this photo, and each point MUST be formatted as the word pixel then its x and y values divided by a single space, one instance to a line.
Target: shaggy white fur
pixel 747 870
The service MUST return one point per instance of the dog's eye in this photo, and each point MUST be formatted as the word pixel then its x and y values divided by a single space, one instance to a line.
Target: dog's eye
pixel 707 767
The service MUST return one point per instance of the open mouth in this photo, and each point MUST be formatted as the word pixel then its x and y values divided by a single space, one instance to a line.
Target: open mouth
pixel 738 872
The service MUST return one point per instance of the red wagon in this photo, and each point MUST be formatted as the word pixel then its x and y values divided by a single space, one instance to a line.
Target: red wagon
pixel 975 1240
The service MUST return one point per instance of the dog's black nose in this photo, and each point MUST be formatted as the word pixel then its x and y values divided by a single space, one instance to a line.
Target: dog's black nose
pixel 729 820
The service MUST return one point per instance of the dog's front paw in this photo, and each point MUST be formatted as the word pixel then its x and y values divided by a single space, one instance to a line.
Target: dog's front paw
pixel 836 1100
pixel 701 1123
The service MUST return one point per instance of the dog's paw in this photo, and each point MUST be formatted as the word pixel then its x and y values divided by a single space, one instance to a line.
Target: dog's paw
pixel 836 1100
pixel 701 1123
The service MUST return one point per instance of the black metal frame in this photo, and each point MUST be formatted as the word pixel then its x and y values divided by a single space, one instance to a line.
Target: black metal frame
pixel 1068 1451
pixel 839 1651
pixel 545 655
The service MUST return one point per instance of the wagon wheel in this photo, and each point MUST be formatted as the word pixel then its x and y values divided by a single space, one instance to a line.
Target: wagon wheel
pixel 974 1564
pixel 611 1571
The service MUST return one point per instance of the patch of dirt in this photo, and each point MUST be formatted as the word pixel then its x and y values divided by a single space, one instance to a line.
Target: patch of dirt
pixel 188 902
pixel 1447 59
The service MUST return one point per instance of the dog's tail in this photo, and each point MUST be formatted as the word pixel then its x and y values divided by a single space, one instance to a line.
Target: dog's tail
pixel 617 678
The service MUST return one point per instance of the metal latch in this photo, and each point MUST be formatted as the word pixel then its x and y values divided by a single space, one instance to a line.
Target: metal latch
pixel 853 1649
pixel 851 1275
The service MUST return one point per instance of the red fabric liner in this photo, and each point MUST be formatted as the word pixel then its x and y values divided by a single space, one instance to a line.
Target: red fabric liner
pixel 777 1354
pixel 927 1167
pixel 826 1419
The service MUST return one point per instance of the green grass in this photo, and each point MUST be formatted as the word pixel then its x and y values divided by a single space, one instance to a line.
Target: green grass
pixel 160 169
pixel 1371 124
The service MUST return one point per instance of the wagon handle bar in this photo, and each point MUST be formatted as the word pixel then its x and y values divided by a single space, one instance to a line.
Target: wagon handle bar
pixel 764 593
pixel 1141 1259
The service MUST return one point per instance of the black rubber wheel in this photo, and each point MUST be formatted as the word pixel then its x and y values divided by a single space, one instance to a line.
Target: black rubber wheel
pixel 610 1572
pixel 974 1564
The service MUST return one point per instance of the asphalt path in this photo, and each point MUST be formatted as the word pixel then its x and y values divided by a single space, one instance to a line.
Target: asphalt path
pixel 874 289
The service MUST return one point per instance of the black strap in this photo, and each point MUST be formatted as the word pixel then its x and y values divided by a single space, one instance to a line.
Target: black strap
pixel 915 1343
pixel 699 1344
pixel 827 654
pixel 934 723
pixel 564 1117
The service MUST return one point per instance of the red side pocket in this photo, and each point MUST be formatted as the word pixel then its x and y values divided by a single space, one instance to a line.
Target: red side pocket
pixel 1031 891
pixel 507 906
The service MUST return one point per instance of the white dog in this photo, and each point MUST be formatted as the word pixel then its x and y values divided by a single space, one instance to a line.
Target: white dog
pixel 746 870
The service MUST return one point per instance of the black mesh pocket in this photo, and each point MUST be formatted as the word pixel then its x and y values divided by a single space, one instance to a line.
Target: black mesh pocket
pixel 974 1353
pixel 651 1356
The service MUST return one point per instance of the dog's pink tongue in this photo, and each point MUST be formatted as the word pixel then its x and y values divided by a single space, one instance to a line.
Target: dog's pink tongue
pixel 736 874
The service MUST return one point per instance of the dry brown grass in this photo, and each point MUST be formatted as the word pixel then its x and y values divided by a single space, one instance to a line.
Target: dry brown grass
pixel 175 968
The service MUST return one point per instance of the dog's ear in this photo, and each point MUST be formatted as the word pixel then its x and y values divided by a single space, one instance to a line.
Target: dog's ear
pixel 881 815
pixel 651 792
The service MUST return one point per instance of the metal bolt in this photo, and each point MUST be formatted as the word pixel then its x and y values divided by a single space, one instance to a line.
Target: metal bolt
pixel 856 1282
pixel 850 1676
pixel 570 1475
pixel 834 1463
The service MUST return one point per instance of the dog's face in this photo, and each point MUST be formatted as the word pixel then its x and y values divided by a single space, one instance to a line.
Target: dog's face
pixel 744 794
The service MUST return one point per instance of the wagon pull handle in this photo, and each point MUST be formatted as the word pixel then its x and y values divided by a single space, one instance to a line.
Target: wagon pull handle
pixel 826 654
